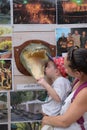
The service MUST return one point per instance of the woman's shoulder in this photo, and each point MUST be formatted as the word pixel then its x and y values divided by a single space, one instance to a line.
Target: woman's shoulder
pixel 81 97
pixel 83 92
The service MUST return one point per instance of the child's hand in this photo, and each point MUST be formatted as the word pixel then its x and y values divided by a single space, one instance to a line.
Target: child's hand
pixel 42 82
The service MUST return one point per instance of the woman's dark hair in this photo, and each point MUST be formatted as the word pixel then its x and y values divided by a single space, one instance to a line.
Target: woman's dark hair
pixel 78 59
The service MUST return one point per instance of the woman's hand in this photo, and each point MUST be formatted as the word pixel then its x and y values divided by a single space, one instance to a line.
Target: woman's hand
pixel 44 120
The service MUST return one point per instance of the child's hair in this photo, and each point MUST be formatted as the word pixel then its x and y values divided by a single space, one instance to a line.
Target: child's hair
pixel 78 59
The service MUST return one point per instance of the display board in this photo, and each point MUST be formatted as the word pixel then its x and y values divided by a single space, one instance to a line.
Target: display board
pixel 21 23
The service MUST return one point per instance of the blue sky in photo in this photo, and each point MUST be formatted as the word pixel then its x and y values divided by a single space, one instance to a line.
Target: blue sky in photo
pixel 59 32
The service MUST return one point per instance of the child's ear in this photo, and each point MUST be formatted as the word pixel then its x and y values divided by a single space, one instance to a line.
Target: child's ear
pixel 57 71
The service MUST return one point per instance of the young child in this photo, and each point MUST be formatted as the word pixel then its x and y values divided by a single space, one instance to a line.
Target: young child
pixel 59 89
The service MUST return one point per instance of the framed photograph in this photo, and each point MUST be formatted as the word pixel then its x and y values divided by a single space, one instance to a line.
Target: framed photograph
pixel 26 105
pixel 5 75
pixel 71 11
pixel 5 12
pixel 5 41
pixel 26 126
pixel 5 47
pixel 5 30
pixel 3 127
pixel 3 109
pixel 68 37
pixel 34 12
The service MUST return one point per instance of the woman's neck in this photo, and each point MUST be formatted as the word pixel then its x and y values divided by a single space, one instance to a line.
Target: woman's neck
pixel 82 80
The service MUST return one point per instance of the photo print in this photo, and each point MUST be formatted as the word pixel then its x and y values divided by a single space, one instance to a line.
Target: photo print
pixel 68 37
pixel 26 126
pixel 71 11
pixel 5 75
pixel 5 12
pixel 5 47
pixel 34 12
pixel 26 105
pixel 3 127
pixel 5 42
pixel 5 30
pixel 3 109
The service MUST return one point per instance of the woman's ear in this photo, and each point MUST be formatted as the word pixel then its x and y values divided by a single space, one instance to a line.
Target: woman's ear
pixel 78 73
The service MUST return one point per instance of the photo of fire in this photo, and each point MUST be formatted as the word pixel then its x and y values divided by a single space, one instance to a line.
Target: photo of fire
pixel 5 75
pixel 71 11
pixel 34 11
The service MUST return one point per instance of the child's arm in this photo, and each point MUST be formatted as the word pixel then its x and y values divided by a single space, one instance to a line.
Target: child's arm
pixel 49 89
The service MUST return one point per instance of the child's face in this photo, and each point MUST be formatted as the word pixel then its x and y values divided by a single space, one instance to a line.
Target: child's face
pixel 50 69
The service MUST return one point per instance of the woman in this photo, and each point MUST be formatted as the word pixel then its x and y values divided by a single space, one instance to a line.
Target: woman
pixel 73 115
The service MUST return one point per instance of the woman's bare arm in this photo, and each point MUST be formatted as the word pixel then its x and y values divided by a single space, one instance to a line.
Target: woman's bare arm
pixel 77 108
